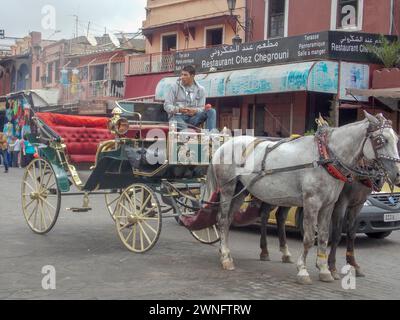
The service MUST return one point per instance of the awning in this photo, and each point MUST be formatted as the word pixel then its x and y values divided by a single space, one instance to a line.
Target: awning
pixel 390 96
pixel 45 97
pixel 391 93
pixel 40 97
pixel 317 76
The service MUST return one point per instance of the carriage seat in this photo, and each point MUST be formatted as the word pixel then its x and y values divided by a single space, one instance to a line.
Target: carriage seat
pixel 81 134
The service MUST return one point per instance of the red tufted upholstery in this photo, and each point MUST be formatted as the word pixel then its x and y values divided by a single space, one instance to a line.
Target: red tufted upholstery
pixel 82 135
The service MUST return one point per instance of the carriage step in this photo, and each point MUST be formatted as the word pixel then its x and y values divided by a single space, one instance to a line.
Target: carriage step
pixel 79 209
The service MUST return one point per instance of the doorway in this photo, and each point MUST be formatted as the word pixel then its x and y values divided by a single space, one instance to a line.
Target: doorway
pixel 347 116
pixel 256 118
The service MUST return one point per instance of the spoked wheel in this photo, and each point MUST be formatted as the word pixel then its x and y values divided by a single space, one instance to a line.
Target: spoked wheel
pixel 41 197
pixel 138 218
pixel 208 236
pixel 111 202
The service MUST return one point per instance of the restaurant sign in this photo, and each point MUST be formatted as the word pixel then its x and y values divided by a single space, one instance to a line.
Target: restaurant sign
pixel 336 45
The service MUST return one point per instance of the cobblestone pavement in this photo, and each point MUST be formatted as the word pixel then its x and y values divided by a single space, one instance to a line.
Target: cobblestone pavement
pixel 91 263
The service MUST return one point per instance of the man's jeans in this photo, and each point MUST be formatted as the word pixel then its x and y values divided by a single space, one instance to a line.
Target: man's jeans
pixel 209 116
pixel 3 153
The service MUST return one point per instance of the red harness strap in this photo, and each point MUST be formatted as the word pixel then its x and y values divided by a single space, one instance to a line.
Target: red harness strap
pixel 324 154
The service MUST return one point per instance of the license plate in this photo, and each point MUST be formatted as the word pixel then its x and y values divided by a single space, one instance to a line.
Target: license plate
pixel 390 217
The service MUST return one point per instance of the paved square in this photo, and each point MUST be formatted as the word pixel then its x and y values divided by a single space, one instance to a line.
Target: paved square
pixel 91 263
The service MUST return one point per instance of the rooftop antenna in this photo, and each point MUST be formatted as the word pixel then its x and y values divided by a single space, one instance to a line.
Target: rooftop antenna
pixel 76 25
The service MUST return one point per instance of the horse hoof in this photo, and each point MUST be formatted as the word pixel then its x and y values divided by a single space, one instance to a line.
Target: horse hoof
pixel 359 273
pixel 335 275
pixel 287 259
pixel 305 280
pixel 326 277
pixel 228 265
pixel 264 257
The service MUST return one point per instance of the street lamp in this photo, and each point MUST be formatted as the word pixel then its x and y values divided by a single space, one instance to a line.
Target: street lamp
pixel 236 40
pixel 231 5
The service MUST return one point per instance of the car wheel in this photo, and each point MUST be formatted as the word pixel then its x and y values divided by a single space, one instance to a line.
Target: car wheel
pixel 379 235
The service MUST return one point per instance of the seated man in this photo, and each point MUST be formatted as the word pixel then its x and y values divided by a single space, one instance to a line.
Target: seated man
pixel 185 102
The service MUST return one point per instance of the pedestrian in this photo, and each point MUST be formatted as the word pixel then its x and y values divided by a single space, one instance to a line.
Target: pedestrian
pixel 3 150
pixel 28 151
pixel 15 147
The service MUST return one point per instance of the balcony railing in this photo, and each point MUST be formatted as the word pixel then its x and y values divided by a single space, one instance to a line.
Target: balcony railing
pixel 151 63
pixel 102 89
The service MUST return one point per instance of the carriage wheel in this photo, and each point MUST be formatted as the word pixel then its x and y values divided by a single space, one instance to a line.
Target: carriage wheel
pixel 111 202
pixel 41 197
pixel 138 218
pixel 209 235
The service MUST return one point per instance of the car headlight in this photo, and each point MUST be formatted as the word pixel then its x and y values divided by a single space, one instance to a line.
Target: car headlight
pixel 367 203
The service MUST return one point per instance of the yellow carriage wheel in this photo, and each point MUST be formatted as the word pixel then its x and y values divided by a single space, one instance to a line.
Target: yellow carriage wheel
pixel 111 200
pixel 208 235
pixel 138 218
pixel 41 197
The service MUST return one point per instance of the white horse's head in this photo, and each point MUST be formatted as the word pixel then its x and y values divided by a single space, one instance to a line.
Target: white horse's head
pixel 381 146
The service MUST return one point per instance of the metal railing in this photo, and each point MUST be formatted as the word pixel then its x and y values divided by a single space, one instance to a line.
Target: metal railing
pixel 151 63
pixel 73 93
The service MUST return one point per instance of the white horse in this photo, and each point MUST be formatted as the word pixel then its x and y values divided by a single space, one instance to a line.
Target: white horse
pixel 295 173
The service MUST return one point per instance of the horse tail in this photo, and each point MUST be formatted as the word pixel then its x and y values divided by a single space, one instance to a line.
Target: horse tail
pixel 212 188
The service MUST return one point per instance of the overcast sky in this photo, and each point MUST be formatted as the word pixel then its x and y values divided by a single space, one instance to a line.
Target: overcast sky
pixel 19 17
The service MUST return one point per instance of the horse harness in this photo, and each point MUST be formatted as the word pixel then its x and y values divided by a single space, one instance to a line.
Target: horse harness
pixel 370 176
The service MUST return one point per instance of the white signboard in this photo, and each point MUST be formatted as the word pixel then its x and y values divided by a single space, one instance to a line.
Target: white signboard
pixel 353 76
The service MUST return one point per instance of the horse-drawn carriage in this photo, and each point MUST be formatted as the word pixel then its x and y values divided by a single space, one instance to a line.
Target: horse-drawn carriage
pixel 147 170
pixel 137 163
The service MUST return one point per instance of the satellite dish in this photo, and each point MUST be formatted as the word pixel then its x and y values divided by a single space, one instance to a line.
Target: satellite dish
pixel 114 40
pixel 91 39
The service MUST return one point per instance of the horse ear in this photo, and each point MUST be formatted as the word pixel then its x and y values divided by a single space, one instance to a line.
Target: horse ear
pixel 380 116
pixel 371 118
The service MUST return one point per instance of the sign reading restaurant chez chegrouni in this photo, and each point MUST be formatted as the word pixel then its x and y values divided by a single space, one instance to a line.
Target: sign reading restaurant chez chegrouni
pixel 337 45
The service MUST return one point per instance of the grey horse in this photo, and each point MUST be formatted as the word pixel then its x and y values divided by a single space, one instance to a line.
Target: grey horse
pixel 290 175
pixel 346 210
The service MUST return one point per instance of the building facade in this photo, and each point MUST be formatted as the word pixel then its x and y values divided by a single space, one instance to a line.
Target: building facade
pixel 172 26
pixel 335 32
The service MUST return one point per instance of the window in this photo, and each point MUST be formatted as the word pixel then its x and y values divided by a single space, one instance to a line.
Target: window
pixel 169 42
pixel 276 18
pixel 37 74
pixel 50 72
pixel 98 72
pixel 214 36
pixel 347 14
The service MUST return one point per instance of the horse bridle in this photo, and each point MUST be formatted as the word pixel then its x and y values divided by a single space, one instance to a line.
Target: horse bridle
pixel 378 141
pixel 375 169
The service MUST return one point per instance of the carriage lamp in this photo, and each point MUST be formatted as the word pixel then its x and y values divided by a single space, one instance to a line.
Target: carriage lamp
pixel 117 124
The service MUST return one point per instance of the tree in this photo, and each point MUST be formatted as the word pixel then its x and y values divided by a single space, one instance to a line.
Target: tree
pixel 388 52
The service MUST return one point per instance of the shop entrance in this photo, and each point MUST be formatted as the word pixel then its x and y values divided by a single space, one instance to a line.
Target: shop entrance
pixel 256 119
pixel 347 116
